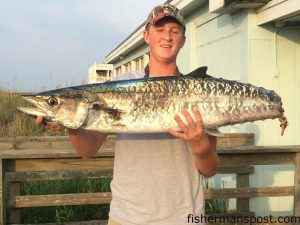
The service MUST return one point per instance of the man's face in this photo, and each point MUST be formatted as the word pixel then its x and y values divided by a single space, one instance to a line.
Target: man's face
pixel 165 39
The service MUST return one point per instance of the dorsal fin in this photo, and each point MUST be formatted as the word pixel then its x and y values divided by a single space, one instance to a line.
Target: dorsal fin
pixel 199 72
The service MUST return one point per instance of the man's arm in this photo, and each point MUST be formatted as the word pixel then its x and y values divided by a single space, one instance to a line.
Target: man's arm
pixel 202 144
pixel 207 161
pixel 86 143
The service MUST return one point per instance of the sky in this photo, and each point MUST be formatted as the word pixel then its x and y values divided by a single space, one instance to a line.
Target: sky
pixel 45 44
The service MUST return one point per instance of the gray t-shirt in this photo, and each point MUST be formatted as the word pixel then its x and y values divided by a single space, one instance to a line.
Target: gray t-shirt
pixel 155 180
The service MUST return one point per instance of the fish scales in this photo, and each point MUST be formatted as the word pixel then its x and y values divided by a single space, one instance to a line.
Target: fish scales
pixel 149 104
pixel 180 87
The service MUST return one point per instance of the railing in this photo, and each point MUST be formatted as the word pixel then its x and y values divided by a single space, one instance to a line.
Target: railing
pixel 32 165
pixel 18 166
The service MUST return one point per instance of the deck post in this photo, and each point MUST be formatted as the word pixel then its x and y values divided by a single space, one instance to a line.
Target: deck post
pixel 297 186
pixel 242 204
pixel 2 193
pixel 15 213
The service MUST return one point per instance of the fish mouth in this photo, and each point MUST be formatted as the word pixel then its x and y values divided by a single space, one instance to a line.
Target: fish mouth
pixel 38 108
pixel 32 111
pixel 31 98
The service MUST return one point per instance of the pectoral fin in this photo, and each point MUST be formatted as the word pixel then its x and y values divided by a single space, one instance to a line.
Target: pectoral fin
pixel 112 112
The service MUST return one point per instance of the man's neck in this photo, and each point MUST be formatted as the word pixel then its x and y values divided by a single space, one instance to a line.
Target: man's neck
pixel 163 69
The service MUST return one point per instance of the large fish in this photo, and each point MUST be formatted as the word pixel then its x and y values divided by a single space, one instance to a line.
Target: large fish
pixel 149 104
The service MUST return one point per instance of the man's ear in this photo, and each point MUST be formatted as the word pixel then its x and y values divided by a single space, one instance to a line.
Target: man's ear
pixel 146 36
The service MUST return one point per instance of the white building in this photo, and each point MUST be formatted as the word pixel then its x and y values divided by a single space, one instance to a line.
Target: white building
pixel 99 73
pixel 254 41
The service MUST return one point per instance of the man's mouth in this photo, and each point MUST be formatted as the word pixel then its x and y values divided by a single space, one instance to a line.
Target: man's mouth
pixel 166 46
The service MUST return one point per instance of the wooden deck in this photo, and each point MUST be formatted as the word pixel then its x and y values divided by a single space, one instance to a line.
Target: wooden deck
pixel 18 166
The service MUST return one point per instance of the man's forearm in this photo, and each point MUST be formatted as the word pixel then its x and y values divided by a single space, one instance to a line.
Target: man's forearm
pixel 207 163
pixel 86 143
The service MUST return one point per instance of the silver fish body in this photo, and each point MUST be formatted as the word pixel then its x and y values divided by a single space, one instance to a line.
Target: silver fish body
pixel 149 104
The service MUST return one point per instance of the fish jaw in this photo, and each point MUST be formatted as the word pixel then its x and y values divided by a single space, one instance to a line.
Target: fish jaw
pixel 32 111
pixel 39 109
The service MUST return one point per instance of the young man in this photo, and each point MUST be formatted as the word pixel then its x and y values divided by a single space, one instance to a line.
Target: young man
pixel 157 177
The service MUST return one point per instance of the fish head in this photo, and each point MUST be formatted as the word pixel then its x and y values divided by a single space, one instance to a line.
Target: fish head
pixel 66 107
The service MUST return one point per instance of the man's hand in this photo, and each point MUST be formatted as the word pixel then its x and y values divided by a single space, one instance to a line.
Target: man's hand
pixel 55 128
pixel 192 132
pixel 203 145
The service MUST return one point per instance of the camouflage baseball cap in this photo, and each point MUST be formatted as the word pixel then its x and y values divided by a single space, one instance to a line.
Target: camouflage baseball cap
pixel 162 11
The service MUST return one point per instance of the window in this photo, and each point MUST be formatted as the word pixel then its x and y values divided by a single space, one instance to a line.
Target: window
pixel 118 70
pixel 139 64
pixel 127 67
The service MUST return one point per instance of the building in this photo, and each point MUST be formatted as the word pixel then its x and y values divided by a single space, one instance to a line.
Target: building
pixel 99 73
pixel 253 41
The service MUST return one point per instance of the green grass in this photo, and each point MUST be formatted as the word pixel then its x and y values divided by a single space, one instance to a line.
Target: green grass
pixel 215 206
pixel 14 123
pixel 60 214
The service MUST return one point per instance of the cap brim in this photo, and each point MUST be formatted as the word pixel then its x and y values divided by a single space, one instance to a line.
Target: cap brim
pixel 164 15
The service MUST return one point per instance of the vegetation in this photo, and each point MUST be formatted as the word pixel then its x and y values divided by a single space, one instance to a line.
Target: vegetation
pixel 215 206
pixel 60 214
pixel 14 123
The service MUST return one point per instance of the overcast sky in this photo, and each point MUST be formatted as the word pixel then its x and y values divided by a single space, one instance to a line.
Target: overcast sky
pixel 45 43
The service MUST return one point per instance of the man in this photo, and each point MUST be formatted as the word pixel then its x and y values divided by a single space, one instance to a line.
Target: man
pixel 157 177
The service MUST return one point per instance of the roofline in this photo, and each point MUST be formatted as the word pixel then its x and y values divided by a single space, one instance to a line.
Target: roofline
pixel 132 38
pixel 135 39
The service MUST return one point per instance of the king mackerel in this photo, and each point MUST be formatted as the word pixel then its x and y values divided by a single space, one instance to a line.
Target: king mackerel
pixel 149 104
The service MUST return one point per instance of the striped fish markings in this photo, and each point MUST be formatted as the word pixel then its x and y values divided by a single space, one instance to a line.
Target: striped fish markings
pixel 149 104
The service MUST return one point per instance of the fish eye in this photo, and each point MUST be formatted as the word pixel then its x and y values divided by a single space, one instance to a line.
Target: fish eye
pixel 52 101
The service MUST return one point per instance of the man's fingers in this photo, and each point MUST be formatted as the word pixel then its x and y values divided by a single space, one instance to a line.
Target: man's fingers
pixel 198 116
pixel 56 128
pixel 181 124
pixel 39 120
pixel 190 121
pixel 176 133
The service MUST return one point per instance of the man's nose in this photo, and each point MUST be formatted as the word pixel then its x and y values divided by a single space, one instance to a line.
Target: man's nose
pixel 167 36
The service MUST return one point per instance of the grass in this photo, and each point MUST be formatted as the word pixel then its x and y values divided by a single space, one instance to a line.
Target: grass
pixel 65 213
pixel 58 214
pixel 14 123
pixel 215 206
